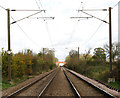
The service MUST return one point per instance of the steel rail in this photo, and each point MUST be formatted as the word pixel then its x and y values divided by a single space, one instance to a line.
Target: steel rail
pixel 96 87
pixel 27 86
pixel 41 93
pixel 72 85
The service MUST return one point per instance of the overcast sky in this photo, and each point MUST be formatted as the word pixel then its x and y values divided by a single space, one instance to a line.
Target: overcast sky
pixel 62 33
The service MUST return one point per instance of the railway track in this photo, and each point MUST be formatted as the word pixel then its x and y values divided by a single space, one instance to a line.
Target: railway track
pixel 102 92
pixel 70 85
pixel 76 92
pixel 26 87
pixel 50 89
pixel 41 93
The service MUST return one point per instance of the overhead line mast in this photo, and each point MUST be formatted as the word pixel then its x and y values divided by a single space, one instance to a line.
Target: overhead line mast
pixel 9 50
pixel 8 26
pixel 110 30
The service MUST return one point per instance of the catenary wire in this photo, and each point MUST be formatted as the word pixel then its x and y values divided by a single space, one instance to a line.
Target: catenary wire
pixel 95 31
pixel 115 5
pixel 41 4
pixel 71 34
pixel 37 4
pixel 26 34
pixel 39 8
pixel 2 7
pixel 25 17
pixel 46 24
pixel 48 33
pixel 98 27
pixel 74 28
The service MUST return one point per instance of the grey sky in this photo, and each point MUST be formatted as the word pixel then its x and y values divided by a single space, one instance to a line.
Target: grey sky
pixel 60 33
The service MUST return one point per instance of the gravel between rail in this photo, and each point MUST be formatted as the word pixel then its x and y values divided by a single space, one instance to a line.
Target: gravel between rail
pixel 59 86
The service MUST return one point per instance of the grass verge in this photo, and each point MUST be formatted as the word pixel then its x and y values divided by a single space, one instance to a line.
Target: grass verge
pixel 115 84
pixel 6 84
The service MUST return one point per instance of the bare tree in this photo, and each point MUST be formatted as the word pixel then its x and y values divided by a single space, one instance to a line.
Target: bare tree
pixel 87 53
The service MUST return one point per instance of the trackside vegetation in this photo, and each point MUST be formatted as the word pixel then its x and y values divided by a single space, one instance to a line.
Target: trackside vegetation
pixel 96 65
pixel 25 64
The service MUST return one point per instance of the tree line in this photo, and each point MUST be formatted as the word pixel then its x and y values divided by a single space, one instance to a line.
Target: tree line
pixel 27 63
pixel 87 61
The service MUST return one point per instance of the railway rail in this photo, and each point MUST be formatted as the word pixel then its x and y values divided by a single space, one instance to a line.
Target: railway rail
pixel 105 93
pixel 76 92
pixel 68 77
pixel 49 86
pixel 41 93
pixel 72 85
pixel 14 94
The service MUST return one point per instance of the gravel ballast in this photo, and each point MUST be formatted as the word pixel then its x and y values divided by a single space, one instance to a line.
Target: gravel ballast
pixel 59 86
pixel 22 84
pixel 113 92
pixel 83 88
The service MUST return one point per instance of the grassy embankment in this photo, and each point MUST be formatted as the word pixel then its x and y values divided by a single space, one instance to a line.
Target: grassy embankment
pixel 6 84
pixel 101 72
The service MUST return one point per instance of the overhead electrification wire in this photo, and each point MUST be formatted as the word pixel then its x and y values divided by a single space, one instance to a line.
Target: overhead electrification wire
pixel 95 17
pixel 71 34
pixel 41 4
pixel 2 7
pixel 115 5
pixel 98 27
pixel 37 4
pixel 39 9
pixel 46 24
pixel 48 34
pixel 95 31
pixel 26 33
pixel 74 28
pixel 82 9
pixel 25 17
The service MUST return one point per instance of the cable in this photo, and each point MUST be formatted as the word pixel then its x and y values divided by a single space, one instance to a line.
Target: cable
pixel 74 28
pixel 39 9
pixel 48 33
pixel 25 18
pixel 71 34
pixel 82 9
pixel 25 33
pixel 115 5
pixel 95 31
pixel 37 4
pixel 98 27
pixel 2 7
pixel 46 24
pixel 41 4
pixel 95 17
